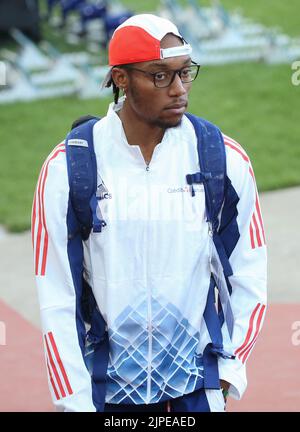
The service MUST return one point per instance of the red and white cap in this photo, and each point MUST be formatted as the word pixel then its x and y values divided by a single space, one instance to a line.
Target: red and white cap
pixel 138 39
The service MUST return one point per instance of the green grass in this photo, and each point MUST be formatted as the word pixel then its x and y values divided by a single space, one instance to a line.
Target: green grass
pixel 28 133
pixel 255 104
pixel 272 13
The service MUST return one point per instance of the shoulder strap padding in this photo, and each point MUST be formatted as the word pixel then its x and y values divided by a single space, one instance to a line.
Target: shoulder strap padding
pixel 83 119
pixel 82 170
pixel 212 162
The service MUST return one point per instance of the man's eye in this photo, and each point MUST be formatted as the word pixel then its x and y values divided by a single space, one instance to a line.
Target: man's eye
pixel 186 72
pixel 160 76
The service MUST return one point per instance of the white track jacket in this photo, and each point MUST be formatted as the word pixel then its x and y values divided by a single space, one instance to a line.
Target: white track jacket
pixel 149 270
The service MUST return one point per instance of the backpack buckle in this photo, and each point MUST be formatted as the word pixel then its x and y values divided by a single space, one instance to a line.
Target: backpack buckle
pixel 197 178
pixel 98 225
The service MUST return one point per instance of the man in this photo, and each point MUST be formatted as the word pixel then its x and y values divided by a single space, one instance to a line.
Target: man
pixel 150 266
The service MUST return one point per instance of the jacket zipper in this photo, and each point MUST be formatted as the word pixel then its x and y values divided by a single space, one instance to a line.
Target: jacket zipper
pixel 149 294
pixel 210 235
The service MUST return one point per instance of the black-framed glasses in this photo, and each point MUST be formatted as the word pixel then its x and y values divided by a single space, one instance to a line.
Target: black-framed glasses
pixel 165 78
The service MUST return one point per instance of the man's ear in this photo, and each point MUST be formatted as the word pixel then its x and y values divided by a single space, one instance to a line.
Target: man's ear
pixel 120 77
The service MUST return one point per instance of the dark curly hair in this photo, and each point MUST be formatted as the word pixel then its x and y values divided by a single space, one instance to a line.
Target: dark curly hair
pixel 116 90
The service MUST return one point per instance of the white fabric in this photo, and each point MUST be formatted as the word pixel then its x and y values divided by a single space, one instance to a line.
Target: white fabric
pixel 152 256
pixel 215 400
pixel 185 49
pixel 156 26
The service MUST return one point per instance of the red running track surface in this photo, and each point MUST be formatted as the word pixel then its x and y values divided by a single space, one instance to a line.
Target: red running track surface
pixel 273 367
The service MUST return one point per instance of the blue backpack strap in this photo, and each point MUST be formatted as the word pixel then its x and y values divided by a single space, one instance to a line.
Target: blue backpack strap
pixel 213 324
pixel 212 162
pixel 82 173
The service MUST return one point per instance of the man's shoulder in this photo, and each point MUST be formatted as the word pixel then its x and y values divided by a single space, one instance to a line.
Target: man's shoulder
pixel 56 158
pixel 234 149
pixel 53 173
pixel 194 123
pixel 238 163
pixel 56 152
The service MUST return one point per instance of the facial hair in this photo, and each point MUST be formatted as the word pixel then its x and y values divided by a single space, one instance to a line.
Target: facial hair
pixel 137 99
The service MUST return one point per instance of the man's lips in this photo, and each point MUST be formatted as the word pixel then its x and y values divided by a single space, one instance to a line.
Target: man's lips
pixel 176 108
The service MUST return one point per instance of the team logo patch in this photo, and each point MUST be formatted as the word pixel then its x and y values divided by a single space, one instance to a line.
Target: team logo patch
pixel 102 192
pixel 78 142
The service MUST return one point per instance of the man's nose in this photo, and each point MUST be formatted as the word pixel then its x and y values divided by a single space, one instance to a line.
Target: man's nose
pixel 177 88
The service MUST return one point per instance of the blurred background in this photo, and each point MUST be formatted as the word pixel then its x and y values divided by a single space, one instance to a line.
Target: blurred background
pixel 53 56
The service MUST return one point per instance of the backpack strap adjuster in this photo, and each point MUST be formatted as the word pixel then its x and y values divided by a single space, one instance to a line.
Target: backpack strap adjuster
pixel 198 178
pixel 97 223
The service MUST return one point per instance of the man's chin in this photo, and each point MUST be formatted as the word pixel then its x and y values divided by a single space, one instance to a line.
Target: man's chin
pixel 166 124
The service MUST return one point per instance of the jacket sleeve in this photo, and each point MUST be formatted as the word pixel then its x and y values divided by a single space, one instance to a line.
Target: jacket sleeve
pixel 62 324
pixel 243 235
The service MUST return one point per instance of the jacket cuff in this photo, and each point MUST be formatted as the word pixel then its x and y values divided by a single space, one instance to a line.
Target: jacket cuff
pixel 234 372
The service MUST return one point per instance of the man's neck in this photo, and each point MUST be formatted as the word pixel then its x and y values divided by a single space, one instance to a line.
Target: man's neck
pixel 140 133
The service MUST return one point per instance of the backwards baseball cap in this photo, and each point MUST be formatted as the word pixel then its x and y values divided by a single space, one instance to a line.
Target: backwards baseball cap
pixel 138 39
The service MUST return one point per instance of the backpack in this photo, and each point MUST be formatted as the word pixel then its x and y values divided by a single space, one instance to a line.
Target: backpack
pixel 82 173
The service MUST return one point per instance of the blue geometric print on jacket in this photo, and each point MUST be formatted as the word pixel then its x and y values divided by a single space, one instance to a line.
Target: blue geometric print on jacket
pixel 168 356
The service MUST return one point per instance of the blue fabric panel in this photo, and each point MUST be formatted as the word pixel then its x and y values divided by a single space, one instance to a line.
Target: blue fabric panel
pixel 75 255
pixel 229 231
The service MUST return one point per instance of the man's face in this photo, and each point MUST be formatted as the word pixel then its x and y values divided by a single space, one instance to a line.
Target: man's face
pixel 162 107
